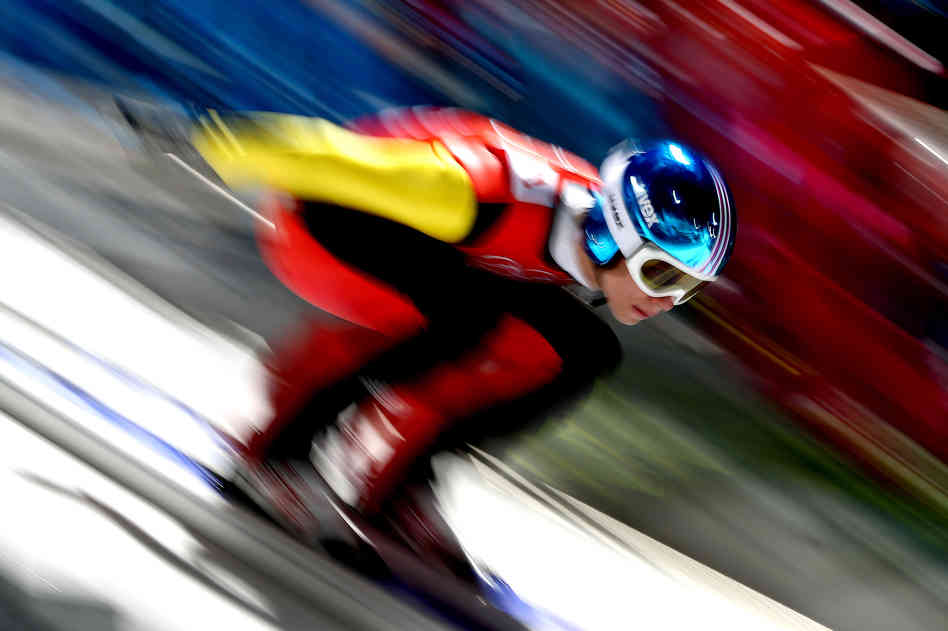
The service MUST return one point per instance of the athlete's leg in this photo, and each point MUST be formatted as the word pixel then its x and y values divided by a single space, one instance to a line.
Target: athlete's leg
pixel 373 317
pixel 389 284
pixel 469 357
pixel 375 441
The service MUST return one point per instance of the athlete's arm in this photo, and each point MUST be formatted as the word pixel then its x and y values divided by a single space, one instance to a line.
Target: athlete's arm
pixel 414 182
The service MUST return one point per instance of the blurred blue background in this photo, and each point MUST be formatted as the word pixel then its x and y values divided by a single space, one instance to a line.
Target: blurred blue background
pixel 290 56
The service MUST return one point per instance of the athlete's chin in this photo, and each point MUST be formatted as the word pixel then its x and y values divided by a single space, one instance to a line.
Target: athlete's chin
pixel 629 315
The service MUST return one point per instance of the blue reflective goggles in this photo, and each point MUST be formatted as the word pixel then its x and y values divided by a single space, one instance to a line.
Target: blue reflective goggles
pixel 656 272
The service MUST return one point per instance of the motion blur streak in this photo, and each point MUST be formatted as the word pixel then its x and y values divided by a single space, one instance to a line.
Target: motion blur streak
pixel 933 151
pixel 487 504
pixel 214 187
pixel 872 27
pixel 87 352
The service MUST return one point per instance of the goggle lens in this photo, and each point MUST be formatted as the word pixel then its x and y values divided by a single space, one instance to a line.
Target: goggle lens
pixel 661 274
pixel 659 277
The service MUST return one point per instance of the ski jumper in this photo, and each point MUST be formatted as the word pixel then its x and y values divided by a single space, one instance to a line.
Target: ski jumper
pixel 441 239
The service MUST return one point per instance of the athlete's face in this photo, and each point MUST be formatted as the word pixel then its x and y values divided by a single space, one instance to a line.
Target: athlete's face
pixel 628 303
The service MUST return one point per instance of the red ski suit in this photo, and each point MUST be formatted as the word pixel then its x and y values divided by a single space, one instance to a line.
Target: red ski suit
pixel 518 181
